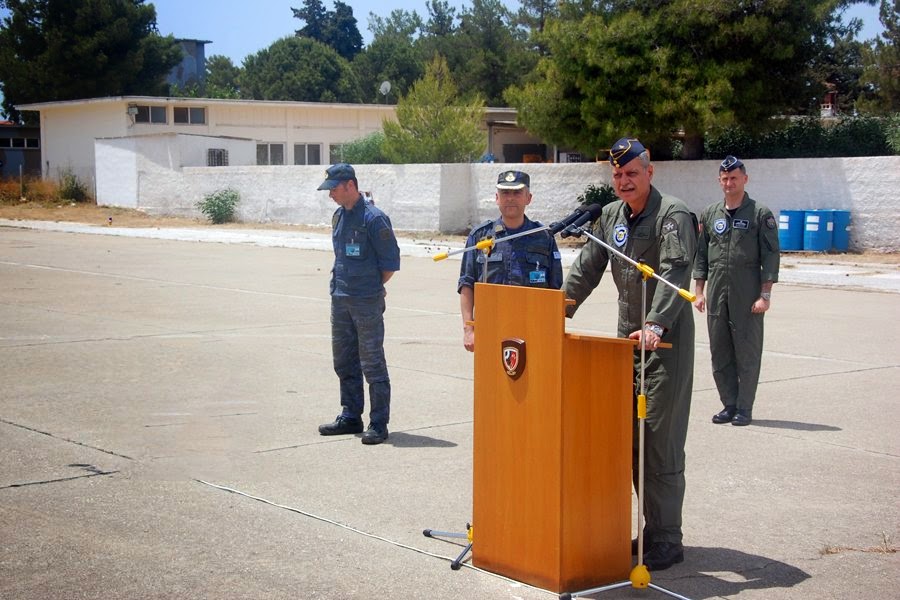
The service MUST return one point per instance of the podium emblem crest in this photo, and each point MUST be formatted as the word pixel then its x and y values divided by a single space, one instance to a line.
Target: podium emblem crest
pixel 512 353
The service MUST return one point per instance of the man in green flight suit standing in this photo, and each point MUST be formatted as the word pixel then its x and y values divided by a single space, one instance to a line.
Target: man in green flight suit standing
pixel 738 255
pixel 648 226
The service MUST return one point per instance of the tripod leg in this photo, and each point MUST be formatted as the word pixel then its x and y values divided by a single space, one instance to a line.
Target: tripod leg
pixel 456 564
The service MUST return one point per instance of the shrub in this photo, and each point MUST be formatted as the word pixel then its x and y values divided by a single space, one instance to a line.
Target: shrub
pixel 602 195
pixel 32 189
pixel 71 188
pixel 806 137
pixel 219 207
pixel 366 150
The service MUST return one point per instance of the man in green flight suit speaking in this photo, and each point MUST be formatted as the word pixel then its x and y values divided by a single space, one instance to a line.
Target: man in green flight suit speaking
pixel 738 256
pixel 659 230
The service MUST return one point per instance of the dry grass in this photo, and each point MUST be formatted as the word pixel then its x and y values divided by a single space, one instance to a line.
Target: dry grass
pixel 886 547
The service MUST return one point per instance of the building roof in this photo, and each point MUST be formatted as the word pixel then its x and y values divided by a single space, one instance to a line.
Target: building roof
pixel 500 115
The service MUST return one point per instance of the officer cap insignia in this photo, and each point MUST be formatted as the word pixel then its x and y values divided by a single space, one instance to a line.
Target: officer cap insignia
pixel 513 180
pixel 624 151
pixel 730 164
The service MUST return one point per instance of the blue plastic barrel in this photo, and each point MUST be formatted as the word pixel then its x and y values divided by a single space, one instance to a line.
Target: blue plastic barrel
pixel 840 238
pixel 817 230
pixel 790 229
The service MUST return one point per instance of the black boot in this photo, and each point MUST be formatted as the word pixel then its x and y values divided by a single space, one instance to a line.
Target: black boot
pixel 725 415
pixel 742 417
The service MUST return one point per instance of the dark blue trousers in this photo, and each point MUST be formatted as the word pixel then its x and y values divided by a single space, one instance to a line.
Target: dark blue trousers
pixel 357 347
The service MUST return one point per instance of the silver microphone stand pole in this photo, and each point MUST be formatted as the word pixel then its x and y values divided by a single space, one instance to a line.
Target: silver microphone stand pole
pixel 640 575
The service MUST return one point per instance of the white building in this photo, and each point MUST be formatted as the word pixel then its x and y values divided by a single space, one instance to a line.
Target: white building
pixel 285 133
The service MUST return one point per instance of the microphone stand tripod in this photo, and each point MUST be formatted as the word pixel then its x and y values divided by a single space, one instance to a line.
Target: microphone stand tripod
pixel 485 245
pixel 640 575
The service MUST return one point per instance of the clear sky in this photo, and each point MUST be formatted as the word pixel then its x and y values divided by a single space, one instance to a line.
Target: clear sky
pixel 238 29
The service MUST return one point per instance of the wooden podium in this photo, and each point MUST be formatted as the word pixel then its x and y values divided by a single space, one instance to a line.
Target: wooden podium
pixel 552 448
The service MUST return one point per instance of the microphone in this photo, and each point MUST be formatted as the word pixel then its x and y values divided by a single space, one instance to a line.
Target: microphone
pixel 591 213
pixel 560 225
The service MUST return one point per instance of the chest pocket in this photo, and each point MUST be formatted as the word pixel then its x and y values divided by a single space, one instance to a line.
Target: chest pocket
pixel 537 267
pixel 356 243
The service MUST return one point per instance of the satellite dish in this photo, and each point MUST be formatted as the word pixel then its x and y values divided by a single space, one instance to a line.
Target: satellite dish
pixel 385 88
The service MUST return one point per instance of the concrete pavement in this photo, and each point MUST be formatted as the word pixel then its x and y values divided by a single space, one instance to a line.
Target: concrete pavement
pixel 159 401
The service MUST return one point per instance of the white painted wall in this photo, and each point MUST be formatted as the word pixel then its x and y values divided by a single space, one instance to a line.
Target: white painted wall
pixel 452 198
pixel 65 144
pixel 122 163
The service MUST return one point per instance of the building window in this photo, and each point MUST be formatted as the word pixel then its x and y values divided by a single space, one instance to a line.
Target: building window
pixel 19 143
pixel 189 115
pixel 307 154
pixel 336 153
pixel 270 154
pixel 216 157
pixel 150 114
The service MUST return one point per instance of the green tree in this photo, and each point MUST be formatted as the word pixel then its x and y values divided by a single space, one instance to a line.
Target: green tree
pixel 439 34
pixel 222 77
pixel 881 74
pixel 391 56
pixel 433 125
pixel 650 68
pixel 335 28
pixel 52 50
pixel 298 69
pixel 493 54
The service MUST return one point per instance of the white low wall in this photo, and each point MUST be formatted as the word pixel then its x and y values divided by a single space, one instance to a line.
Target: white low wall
pixel 451 198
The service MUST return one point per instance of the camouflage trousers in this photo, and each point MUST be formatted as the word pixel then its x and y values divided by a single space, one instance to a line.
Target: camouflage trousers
pixel 357 348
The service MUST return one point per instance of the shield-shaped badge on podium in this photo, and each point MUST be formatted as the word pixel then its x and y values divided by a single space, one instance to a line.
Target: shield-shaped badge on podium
pixel 512 353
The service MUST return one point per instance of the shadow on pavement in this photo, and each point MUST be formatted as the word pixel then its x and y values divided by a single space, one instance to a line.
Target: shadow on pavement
pixel 409 440
pixel 794 425
pixel 724 573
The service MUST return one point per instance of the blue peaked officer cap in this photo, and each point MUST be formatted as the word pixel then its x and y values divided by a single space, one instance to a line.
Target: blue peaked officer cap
pixel 624 151
pixel 337 174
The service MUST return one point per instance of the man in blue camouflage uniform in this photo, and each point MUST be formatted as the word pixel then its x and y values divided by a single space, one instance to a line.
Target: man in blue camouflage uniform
pixel 366 255
pixel 531 260
pixel 656 229
pixel 738 254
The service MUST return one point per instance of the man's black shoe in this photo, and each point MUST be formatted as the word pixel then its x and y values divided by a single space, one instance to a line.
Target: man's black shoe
pixel 341 426
pixel 742 418
pixel 663 555
pixel 725 416
pixel 375 434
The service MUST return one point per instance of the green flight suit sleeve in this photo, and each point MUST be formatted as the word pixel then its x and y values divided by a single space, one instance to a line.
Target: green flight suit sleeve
pixel 701 260
pixel 678 244
pixel 587 271
pixel 769 249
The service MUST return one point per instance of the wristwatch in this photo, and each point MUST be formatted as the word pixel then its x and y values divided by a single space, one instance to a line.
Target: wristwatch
pixel 766 296
pixel 655 328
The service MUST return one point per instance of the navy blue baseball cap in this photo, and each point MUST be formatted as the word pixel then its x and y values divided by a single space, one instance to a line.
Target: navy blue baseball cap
pixel 624 151
pixel 513 180
pixel 337 174
pixel 730 164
